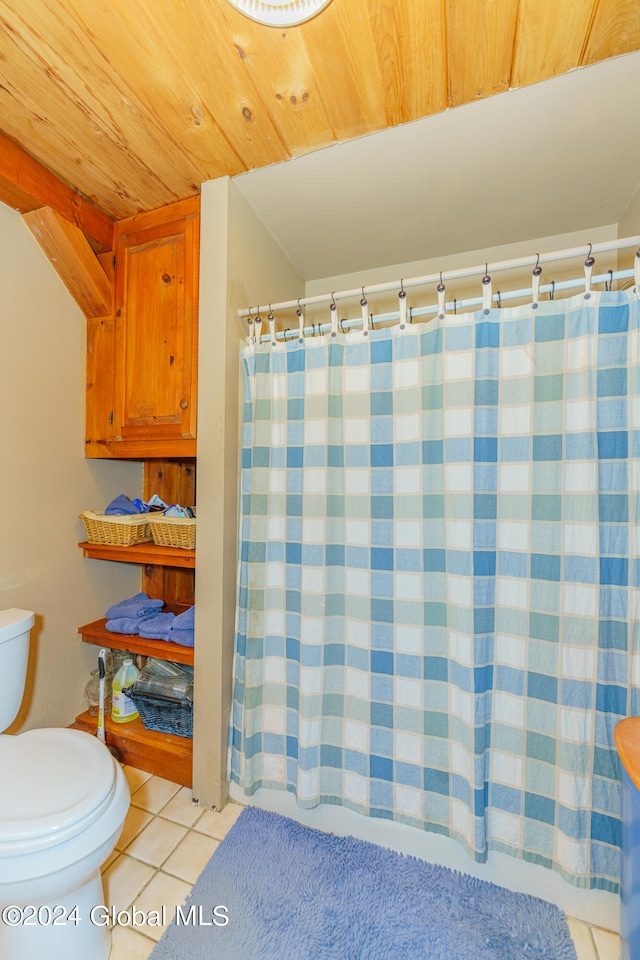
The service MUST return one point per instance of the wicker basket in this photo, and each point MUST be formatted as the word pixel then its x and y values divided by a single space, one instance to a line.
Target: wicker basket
pixel 119 531
pixel 163 714
pixel 173 531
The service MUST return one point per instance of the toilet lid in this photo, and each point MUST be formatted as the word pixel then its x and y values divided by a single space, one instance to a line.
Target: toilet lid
pixel 55 782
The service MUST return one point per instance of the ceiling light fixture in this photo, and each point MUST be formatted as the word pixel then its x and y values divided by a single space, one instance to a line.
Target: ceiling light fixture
pixel 279 13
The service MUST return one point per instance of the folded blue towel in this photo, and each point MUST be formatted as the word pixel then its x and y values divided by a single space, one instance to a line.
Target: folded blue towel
pixel 124 625
pixel 158 627
pixel 186 620
pixel 139 605
pixel 184 637
pixel 121 506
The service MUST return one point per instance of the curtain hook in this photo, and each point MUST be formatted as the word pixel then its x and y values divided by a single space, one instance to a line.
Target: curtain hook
pixel 455 305
pixel 609 286
pixel 333 306
pixel 363 302
pixel 342 324
pixel 299 310
pixel 441 304
pixel 411 312
pixel 285 333
pixel 589 262
pixel 537 270
pixel 588 267
pixel 270 314
pixel 552 292
pixel 486 296
pixel 402 297
pixel 498 299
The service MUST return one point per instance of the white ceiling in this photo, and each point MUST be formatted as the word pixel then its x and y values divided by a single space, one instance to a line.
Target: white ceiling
pixel 556 157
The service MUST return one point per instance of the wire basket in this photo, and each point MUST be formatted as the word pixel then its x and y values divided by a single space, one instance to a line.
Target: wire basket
pixel 117 531
pixel 173 531
pixel 163 714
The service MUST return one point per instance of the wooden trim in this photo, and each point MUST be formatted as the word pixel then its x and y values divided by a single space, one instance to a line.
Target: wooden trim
pixel 140 449
pixel 141 553
pixel 26 185
pixel 73 259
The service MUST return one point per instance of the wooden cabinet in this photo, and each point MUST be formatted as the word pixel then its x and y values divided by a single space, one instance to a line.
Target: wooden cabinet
pixel 142 362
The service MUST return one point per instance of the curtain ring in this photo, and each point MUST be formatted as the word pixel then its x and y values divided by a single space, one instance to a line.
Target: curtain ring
pixel 333 302
pixel 250 320
pixel 363 302
pixel 402 293
pixel 537 270
pixel 270 315
pixel 299 310
pixel 486 278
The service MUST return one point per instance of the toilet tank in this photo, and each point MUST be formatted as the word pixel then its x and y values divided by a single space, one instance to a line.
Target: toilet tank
pixel 15 626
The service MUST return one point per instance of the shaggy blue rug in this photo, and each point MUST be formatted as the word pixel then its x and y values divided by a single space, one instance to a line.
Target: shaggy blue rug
pixel 292 893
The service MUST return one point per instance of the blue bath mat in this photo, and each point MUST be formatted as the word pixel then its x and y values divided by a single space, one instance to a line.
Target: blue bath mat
pixel 292 893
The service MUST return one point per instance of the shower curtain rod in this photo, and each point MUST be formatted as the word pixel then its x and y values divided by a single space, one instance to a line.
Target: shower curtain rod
pixel 535 260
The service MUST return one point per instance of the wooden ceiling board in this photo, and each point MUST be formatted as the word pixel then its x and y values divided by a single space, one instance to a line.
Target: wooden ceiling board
pixel 480 38
pixel 343 55
pixel 196 42
pixel 565 26
pixel 411 57
pixel 615 30
pixel 83 117
pixel 134 104
pixel 173 129
pixel 278 66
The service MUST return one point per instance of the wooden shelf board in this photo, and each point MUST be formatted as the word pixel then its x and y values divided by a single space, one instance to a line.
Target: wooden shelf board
pixel 141 553
pixel 162 754
pixel 97 633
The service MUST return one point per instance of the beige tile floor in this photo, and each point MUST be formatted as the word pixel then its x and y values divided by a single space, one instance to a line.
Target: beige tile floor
pixel 165 845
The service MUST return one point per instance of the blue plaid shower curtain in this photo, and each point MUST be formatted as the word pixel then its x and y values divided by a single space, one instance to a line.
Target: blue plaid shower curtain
pixel 438 617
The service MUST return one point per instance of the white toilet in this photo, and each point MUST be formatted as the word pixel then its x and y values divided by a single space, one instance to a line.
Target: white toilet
pixel 63 802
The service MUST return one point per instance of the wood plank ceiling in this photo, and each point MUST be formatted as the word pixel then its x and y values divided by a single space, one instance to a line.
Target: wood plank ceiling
pixel 134 103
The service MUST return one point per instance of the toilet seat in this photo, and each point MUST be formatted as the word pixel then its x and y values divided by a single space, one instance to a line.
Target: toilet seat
pixel 56 782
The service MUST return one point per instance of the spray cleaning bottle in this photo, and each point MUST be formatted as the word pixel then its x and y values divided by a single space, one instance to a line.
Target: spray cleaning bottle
pixel 122 708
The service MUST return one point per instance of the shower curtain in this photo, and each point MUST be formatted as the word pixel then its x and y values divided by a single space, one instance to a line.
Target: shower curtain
pixel 438 617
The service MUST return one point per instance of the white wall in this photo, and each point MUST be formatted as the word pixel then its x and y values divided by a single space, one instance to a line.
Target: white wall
pixel 240 263
pixel 45 482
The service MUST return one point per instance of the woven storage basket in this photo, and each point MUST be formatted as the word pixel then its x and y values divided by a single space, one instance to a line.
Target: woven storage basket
pixel 163 714
pixel 173 531
pixel 116 531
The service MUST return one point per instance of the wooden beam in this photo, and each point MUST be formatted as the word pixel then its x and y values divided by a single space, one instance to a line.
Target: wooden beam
pixel 26 185
pixel 72 256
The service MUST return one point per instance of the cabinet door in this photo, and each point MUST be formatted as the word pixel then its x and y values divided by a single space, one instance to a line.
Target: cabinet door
pixel 156 315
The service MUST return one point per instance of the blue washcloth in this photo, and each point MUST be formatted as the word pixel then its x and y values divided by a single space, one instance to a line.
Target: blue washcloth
pixel 158 627
pixel 139 605
pixel 186 620
pixel 124 625
pixel 121 506
pixel 184 637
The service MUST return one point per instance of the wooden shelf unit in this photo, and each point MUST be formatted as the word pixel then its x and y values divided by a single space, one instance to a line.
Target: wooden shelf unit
pixel 168 573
